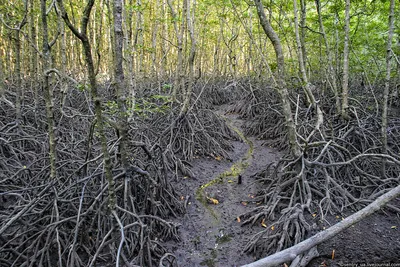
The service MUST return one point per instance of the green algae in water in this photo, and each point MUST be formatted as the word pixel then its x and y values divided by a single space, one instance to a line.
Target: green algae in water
pixel 210 262
pixel 202 199
pixel 223 239
pixel 235 170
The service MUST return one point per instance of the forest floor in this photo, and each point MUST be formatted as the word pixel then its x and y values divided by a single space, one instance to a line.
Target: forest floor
pixel 212 235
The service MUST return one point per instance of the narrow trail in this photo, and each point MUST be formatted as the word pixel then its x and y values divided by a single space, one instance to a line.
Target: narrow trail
pixel 232 175
pixel 211 233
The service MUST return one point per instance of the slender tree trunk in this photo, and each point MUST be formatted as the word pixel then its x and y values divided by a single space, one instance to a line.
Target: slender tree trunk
pixel 8 66
pixel 2 85
pixel 63 52
pixel 190 25
pixel 306 84
pixel 33 57
pixel 154 65
pixel 281 88
pixel 17 60
pixel 303 17
pixel 300 49
pixel 345 84
pixel 82 36
pixel 251 60
pixel 119 78
pixel 119 88
pixel 138 44
pixel 337 54
pixel 128 55
pixel 331 70
pixel 179 73
pixel 49 99
pixel 17 54
pixel 111 42
pixel 387 80
pixel 164 44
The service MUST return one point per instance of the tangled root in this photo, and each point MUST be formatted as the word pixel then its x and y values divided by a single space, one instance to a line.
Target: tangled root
pixel 340 168
pixel 67 221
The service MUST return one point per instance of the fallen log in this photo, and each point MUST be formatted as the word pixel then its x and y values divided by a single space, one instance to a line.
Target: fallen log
pixel 291 253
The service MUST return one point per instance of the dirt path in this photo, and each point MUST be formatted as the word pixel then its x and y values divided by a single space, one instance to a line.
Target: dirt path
pixel 211 233
pixel 213 237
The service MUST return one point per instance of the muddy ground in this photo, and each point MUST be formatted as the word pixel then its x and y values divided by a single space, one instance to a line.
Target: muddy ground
pixel 212 235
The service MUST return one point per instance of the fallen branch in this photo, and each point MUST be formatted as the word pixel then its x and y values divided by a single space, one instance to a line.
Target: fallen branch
pixel 292 252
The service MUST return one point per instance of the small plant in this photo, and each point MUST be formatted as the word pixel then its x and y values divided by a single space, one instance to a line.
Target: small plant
pixel 166 87
pixel 83 87
pixel 144 107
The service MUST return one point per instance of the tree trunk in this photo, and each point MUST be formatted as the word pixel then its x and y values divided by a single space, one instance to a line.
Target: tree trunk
pixel 306 84
pixel 387 79
pixel 345 84
pixel 138 44
pixel 2 85
pixel 300 49
pixel 154 65
pixel 179 73
pixel 47 90
pixel 111 60
pixel 119 88
pixel 128 55
pixel 63 52
pixel 17 52
pixel 303 17
pixel 192 55
pixel 17 60
pixel 33 57
pixel 82 36
pixel 281 87
pixel 331 70
pixel 164 43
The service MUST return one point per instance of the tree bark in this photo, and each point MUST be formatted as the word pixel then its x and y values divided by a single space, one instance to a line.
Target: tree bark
pixel 119 88
pixel 300 49
pixel 345 82
pixel 154 64
pixel 281 87
pixel 33 56
pixel 192 55
pixel 2 85
pixel 49 98
pixel 387 79
pixel 138 44
pixel 119 79
pixel 331 70
pixel 306 84
pixel 17 60
pixel 303 17
pixel 128 55
pixel 82 36
pixel 63 53
pixel 17 52
pixel 179 74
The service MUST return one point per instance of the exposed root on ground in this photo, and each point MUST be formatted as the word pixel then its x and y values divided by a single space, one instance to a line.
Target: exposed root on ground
pixel 340 168
pixel 67 221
